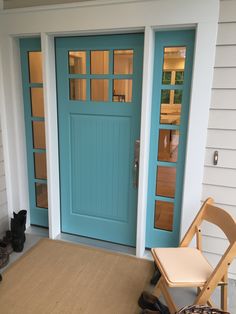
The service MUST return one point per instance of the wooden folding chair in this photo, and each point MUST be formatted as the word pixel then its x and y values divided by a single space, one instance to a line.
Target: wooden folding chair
pixel 185 266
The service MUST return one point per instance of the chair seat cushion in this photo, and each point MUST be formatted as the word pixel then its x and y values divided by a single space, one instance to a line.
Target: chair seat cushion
pixel 183 266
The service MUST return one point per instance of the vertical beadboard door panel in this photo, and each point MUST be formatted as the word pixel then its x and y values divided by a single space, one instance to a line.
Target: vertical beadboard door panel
pixel 97 137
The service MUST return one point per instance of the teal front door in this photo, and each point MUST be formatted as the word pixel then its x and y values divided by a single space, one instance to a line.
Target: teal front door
pixel 99 80
pixel 169 125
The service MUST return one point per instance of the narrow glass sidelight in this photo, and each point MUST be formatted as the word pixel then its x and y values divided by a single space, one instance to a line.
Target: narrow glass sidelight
pixel 33 96
pixel 170 108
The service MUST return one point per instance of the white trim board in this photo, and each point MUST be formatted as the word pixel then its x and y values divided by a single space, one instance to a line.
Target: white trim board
pixel 149 15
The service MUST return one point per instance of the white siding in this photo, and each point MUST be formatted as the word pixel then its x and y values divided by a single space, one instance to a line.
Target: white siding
pixel 3 195
pixel 220 181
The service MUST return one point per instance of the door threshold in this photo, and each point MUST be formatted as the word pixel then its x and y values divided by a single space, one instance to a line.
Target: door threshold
pixel 97 243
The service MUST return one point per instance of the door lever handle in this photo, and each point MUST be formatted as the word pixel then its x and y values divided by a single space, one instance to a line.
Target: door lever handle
pixel 135 174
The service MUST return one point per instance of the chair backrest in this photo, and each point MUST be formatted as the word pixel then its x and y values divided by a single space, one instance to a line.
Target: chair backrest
pixel 227 224
pixel 214 215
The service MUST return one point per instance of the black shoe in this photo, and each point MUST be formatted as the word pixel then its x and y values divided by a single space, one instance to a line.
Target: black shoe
pixel 18 234
pixel 150 302
pixel 4 256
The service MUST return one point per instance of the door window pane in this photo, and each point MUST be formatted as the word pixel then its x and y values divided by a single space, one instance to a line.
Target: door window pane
pixel 39 134
pixel 165 183
pixel 41 195
pixel 78 89
pixel 99 62
pixel 173 65
pixel 77 62
pixel 35 67
pixel 40 165
pixel 99 90
pixel 122 90
pixel 37 103
pixel 168 145
pixel 171 101
pixel 164 214
pixel 123 61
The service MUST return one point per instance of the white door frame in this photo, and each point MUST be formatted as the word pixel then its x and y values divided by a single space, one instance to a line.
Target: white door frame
pixel 150 16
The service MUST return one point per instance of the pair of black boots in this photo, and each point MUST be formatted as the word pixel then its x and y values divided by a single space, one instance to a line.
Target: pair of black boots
pixel 18 223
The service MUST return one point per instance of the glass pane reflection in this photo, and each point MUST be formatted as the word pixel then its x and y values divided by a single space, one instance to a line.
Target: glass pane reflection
pixel 123 61
pixel 165 185
pixel 35 67
pixel 122 90
pixel 99 90
pixel 78 89
pixel 99 62
pixel 171 101
pixel 168 145
pixel 41 195
pixel 39 134
pixel 77 62
pixel 164 214
pixel 173 65
pixel 40 165
pixel 37 103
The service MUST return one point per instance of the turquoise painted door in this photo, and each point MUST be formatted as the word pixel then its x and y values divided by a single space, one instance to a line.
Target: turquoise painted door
pixel 169 125
pixel 99 97
pixel 32 85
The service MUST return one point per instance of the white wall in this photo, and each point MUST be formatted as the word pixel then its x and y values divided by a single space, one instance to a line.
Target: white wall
pixel 220 181
pixel 3 194
pixel 104 16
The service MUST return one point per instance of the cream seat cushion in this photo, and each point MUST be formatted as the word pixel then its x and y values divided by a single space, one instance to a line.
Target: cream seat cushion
pixel 182 266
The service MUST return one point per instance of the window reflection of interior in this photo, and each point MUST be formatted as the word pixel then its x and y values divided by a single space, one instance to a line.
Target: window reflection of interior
pixel 77 62
pixel 173 74
pixel 166 179
pixel 123 61
pixel 168 145
pixel 122 90
pixel 171 101
pixel 164 212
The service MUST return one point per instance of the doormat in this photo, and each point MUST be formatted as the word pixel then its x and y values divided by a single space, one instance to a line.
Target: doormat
pixel 59 277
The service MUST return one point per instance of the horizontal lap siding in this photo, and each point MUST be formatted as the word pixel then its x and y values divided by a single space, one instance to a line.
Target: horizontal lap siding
pixel 219 181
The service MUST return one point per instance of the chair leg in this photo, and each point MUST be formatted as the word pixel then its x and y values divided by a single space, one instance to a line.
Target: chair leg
pixel 169 301
pixel 157 289
pixel 224 293
pixel 209 302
